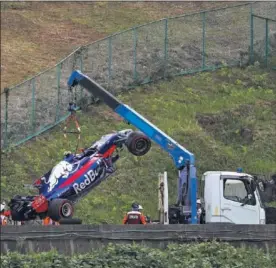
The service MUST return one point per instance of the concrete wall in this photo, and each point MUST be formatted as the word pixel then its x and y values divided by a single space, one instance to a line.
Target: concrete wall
pixel 70 239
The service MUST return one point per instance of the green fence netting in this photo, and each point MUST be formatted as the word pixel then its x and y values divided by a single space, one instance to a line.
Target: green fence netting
pixel 185 47
pixel 121 50
pixel 37 104
pixel 3 120
pixel 226 41
pixel 96 58
pixel 263 47
pixel 264 9
pixel 233 36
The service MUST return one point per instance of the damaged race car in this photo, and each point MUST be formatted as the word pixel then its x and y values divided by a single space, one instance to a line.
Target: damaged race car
pixel 75 176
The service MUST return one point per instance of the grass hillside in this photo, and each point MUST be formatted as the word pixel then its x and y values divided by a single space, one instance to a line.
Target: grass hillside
pixel 226 118
pixel 49 31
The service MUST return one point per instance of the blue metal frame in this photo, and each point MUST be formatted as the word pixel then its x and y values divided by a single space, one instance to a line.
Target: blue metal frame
pixel 181 156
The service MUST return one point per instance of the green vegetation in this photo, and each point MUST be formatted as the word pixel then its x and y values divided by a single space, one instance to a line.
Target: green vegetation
pixel 226 118
pixel 48 32
pixel 200 255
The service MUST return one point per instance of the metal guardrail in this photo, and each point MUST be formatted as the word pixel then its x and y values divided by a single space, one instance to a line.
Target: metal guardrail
pixel 71 239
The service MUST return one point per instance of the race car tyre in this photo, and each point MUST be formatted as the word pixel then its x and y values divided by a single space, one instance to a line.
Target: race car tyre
pixel 138 144
pixel 60 209
pixel 70 221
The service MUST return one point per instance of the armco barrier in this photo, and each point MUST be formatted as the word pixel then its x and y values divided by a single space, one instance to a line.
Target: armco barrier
pixel 71 239
pixel 180 45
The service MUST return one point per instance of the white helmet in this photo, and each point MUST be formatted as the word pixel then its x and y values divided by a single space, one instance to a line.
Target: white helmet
pixel 198 201
pixel 140 207
pixel 2 206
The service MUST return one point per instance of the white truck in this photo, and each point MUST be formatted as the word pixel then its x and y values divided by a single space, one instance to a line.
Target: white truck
pixel 227 197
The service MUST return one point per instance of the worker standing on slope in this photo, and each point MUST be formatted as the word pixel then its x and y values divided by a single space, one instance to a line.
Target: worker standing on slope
pixel 199 209
pixel 134 216
pixel 4 218
pixel 49 221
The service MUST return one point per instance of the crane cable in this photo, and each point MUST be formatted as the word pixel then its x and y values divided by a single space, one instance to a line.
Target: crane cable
pixel 73 108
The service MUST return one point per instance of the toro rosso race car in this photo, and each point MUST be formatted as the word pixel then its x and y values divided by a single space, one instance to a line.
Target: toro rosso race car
pixel 75 176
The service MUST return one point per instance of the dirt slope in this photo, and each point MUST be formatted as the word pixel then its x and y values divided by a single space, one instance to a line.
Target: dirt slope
pixel 35 35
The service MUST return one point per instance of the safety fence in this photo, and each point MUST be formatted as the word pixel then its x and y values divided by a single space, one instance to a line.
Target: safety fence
pixel 263 38
pixel 207 40
pixel 76 239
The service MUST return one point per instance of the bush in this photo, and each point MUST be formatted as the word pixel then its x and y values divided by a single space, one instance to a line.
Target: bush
pixel 205 255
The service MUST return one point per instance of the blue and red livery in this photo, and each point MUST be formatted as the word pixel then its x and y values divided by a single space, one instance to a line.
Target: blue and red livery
pixel 75 176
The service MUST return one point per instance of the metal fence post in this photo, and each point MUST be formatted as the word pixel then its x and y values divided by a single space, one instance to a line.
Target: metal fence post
pixel 266 42
pixel 134 54
pixel 165 47
pixel 6 91
pixel 58 92
pixel 203 15
pixel 33 106
pixel 251 35
pixel 109 60
pixel 81 68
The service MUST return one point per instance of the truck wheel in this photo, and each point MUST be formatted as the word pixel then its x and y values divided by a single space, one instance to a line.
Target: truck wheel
pixel 138 144
pixel 60 209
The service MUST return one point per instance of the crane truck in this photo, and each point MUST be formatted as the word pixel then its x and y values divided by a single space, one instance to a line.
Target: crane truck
pixel 228 197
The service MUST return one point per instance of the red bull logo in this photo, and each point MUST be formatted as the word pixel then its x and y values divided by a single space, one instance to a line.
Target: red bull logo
pixel 90 177
pixel 61 170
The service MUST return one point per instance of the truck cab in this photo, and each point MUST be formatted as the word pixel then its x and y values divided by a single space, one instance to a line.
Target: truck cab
pixel 231 197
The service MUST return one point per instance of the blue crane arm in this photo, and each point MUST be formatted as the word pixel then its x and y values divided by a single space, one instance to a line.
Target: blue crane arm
pixel 179 154
pixel 183 159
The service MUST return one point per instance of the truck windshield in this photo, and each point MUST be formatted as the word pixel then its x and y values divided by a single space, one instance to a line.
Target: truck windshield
pixel 257 191
pixel 259 197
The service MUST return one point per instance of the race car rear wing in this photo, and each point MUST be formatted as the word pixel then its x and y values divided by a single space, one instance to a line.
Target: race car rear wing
pixel 183 159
